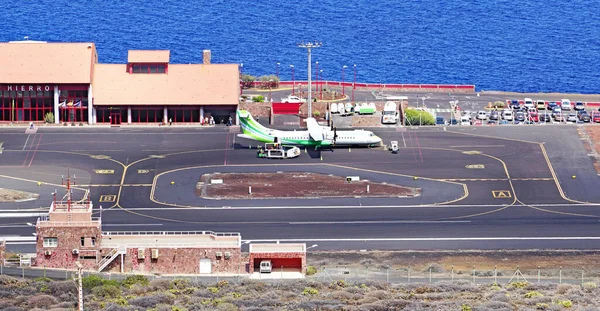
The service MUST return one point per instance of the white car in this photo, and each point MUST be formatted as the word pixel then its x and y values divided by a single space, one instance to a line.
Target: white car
pixel 528 103
pixel 482 115
pixel 566 104
pixel 572 117
pixel 507 115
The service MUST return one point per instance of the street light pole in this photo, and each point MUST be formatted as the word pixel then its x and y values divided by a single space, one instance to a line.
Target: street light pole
pixel 293 82
pixel 321 86
pixel 270 86
pixel 317 77
pixel 277 71
pixel 354 83
pixel 308 46
pixel 343 68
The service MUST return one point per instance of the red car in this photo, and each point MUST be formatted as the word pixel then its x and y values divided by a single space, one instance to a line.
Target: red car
pixel 596 117
pixel 533 116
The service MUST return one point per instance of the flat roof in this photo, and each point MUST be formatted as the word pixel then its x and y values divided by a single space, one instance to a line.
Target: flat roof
pixel 194 84
pixel 169 240
pixel 148 56
pixel 277 248
pixel 27 62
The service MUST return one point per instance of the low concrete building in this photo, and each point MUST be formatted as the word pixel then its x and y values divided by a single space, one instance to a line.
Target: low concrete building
pixel 291 257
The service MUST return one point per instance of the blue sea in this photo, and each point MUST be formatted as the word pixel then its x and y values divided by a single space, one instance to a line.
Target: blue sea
pixel 535 45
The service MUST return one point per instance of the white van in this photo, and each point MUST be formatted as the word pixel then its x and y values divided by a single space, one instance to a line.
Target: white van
pixel 507 115
pixel 389 114
pixel 265 266
pixel 565 104
pixel 528 103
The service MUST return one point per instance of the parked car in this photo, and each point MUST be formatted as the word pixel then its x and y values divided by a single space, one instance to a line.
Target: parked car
pixel 515 104
pixel 566 104
pixel 541 105
pixel 520 117
pixel 552 105
pixel 583 116
pixel 533 116
pixel 556 111
pixel 440 121
pixel 572 117
pixel 494 115
pixel 579 106
pixel 546 117
pixel 528 103
pixel 482 115
pixel 559 117
pixel 596 117
pixel 507 115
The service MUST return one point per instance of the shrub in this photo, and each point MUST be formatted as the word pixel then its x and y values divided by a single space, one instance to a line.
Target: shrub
pixel 588 287
pixel 564 303
pixel 42 301
pixel 465 307
pixel 222 284
pixel 541 306
pixel 151 301
pixel 135 279
pixel 213 290
pixel 519 285
pixel 91 281
pixel 532 295
pixel 180 283
pixel 43 279
pixel 310 270
pixel 107 291
pixel 418 117
pixel 498 104
pixel 435 268
pixel 59 288
pixel 316 113
pixel 338 284
pixel 160 284
pixel 258 99
pixel 310 291
pixel 49 117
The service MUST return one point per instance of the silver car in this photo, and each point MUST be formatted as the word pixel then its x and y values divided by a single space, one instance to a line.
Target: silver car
pixel 572 117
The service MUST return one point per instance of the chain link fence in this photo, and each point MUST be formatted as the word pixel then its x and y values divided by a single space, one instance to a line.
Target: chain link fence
pixel 436 273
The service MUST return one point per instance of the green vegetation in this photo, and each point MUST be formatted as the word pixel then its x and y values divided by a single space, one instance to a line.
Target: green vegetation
pixel 137 293
pixel 49 117
pixel 258 99
pixel 498 104
pixel 310 270
pixel 316 113
pixel 418 117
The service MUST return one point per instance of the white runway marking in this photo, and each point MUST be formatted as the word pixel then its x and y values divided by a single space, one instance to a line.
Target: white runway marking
pixel 24 146
pixel 379 222
pixel 130 225
pixel 18 215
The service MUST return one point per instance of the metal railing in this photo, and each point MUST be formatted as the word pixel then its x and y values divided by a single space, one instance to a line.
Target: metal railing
pixel 119 233
pixel 110 257
pixel 45 220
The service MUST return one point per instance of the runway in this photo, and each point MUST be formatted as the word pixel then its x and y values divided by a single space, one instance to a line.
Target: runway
pixel 514 191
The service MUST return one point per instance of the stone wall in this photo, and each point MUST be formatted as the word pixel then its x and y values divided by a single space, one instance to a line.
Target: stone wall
pixel 69 238
pixel 262 110
pixel 178 261
pixel 273 255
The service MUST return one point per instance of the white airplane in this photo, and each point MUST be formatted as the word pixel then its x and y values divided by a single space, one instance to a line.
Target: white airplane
pixel 316 135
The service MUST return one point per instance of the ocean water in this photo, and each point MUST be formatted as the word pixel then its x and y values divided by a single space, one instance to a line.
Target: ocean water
pixel 530 45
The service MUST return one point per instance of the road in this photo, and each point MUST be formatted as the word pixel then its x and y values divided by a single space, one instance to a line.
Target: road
pixel 482 188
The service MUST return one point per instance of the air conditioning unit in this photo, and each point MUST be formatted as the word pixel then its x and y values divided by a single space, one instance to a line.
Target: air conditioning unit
pixel 48 253
pixel 227 255
pixel 219 254
pixel 141 253
pixel 75 251
pixel 155 253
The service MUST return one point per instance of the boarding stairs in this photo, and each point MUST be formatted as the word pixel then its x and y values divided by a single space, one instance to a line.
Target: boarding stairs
pixel 114 253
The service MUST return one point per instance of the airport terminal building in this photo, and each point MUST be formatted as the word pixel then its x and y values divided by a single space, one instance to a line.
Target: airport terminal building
pixel 41 81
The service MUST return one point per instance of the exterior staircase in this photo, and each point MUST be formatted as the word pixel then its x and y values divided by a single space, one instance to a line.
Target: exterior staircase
pixel 110 257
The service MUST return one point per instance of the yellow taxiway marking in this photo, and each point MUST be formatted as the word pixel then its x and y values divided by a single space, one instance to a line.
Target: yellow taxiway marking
pixel 475 166
pixel 501 194
pixel 104 171
pixel 108 198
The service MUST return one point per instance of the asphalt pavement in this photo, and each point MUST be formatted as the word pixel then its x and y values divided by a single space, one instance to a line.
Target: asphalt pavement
pixel 482 188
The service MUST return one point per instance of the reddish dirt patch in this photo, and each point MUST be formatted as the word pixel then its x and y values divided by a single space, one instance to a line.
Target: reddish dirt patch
pixel 293 185
pixel 593 132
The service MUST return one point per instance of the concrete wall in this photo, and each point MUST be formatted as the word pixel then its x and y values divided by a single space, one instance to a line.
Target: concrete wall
pixel 68 239
pixel 178 261
pixel 262 110
pixel 259 256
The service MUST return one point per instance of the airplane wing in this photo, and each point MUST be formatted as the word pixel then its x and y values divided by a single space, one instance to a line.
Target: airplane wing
pixel 314 129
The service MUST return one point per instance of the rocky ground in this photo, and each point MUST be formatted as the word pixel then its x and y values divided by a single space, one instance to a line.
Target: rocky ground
pixel 9 195
pixel 590 135
pixel 294 185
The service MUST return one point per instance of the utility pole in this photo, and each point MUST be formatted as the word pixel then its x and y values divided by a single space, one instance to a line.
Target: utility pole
pixel 79 287
pixel 308 46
